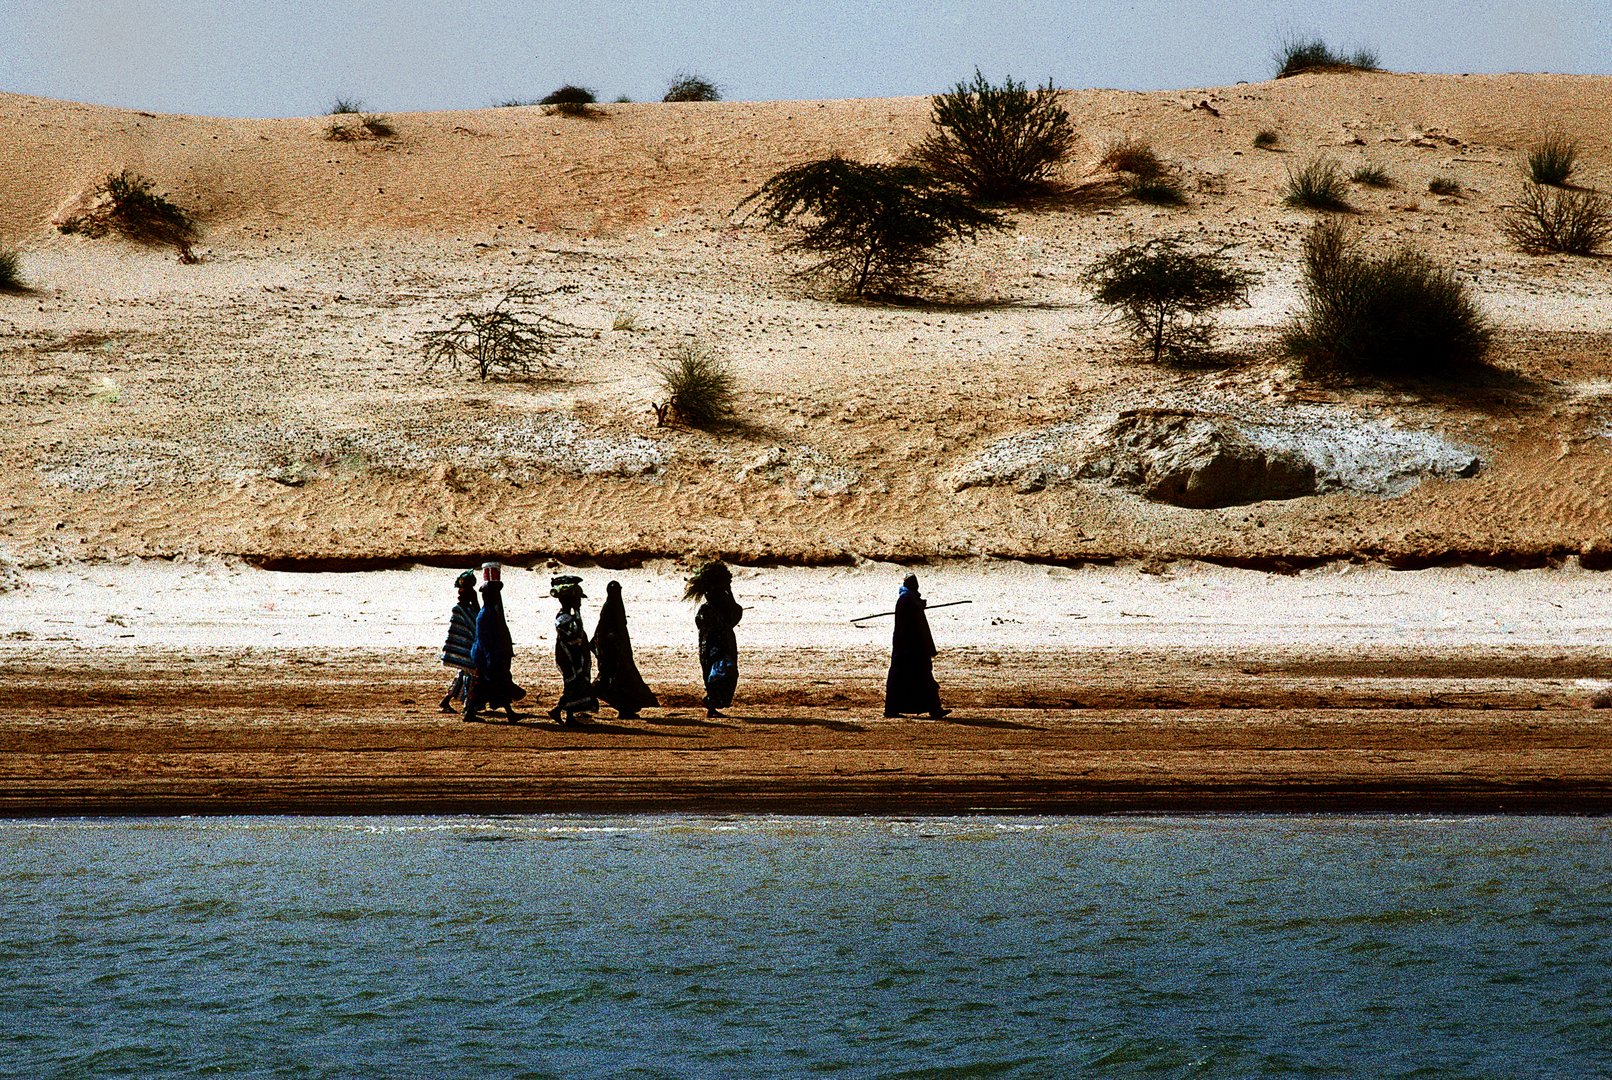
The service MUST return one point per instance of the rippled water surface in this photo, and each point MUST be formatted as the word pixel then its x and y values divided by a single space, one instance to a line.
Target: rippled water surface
pixel 685 946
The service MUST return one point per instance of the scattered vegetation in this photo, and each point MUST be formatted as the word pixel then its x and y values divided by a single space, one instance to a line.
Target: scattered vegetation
pixel 11 270
pixel 1398 316
pixel 626 320
pixel 876 229
pixel 571 100
pixel 1161 190
pixel 1163 291
pixel 1562 220
pixel 126 203
pixel 1265 139
pixel 1299 55
pixel 1372 175
pixel 511 339
pixel 1444 185
pixel 345 106
pixel 686 87
pixel 1319 185
pixel 1553 159
pixel 1133 156
pixel 351 126
pixel 512 103
pixel 698 387
pixel 1143 175
pixel 996 142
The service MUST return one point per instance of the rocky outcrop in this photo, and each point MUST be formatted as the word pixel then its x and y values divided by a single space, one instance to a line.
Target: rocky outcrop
pixel 1194 459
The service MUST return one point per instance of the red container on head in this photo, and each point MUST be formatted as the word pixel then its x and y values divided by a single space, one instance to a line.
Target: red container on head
pixel 490 571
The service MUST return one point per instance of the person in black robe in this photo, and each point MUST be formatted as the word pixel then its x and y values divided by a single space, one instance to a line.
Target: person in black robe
pixel 571 652
pixel 910 686
pixel 718 614
pixel 461 639
pixel 493 653
pixel 618 685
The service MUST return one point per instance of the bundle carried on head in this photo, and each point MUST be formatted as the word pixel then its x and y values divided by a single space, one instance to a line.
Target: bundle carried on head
pixel 566 588
pixel 713 577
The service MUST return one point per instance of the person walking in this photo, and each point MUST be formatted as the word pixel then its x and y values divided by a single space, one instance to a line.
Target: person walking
pixel 910 686
pixel 461 639
pixel 718 614
pixel 491 687
pixel 571 651
pixel 618 685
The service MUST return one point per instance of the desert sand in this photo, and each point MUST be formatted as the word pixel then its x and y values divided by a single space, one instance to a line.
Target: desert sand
pixel 268 409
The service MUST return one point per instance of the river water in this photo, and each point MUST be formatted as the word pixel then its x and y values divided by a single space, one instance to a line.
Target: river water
pixel 750 946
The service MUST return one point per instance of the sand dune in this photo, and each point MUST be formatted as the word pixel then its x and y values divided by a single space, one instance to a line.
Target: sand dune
pixel 271 402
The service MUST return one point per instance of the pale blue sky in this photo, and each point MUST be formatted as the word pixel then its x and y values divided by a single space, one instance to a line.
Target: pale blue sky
pixel 285 58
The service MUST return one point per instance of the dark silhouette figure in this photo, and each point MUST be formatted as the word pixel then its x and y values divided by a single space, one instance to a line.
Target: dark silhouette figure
pixel 911 686
pixel 619 685
pixel 461 639
pixel 718 614
pixel 493 652
pixel 571 653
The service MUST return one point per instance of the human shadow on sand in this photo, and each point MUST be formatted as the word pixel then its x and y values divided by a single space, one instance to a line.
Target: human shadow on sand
pixel 788 721
pixel 985 722
pixel 683 721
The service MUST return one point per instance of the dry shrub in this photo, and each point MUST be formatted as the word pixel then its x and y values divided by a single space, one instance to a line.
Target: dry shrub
pixel 571 100
pixel 996 142
pixel 1299 55
pixel 11 270
pixel 698 385
pixel 686 87
pixel 1549 219
pixel 1265 140
pixel 1133 156
pixel 1444 185
pixel 511 339
pixel 1553 159
pixel 1372 175
pixel 126 203
pixel 1318 185
pixel 352 127
pixel 1398 316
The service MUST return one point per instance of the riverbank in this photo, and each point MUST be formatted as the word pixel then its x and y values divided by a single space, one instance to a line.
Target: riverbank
pixel 211 687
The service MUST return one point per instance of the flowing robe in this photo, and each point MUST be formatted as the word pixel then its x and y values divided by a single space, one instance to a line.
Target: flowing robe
pixel 910 686
pixel 619 684
pixel 493 653
pixel 575 662
pixel 719 649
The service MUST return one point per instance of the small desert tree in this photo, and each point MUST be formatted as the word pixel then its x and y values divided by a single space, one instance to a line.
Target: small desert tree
pixel 510 339
pixel 1395 316
pixel 1163 291
pixel 874 228
pixel 687 87
pixel 571 100
pixel 127 204
pixel 996 142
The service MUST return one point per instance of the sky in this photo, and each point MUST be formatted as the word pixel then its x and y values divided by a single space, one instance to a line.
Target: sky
pixel 295 57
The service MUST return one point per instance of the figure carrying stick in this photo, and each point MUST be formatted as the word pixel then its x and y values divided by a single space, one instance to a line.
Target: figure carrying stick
pixel 911 686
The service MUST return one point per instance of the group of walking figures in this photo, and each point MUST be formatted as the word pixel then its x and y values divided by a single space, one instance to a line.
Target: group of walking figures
pixel 479 646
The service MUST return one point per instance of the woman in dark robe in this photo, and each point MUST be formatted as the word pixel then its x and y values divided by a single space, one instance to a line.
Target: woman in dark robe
pixel 718 614
pixel 619 685
pixel 461 639
pixel 571 653
pixel 911 686
pixel 492 687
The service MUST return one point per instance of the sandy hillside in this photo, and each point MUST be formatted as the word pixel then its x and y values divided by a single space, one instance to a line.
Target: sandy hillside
pixel 270 401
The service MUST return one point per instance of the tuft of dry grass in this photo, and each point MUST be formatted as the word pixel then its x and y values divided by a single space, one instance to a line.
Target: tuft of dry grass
pixel 1265 139
pixel 1318 185
pixel 1444 185
pixel 698 385
pixel 1133 156
pixel 1300 55
pixel 1552 159
pixel 1372 175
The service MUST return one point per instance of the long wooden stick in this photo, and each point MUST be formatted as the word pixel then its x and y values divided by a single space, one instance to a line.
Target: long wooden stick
pixel 931 607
